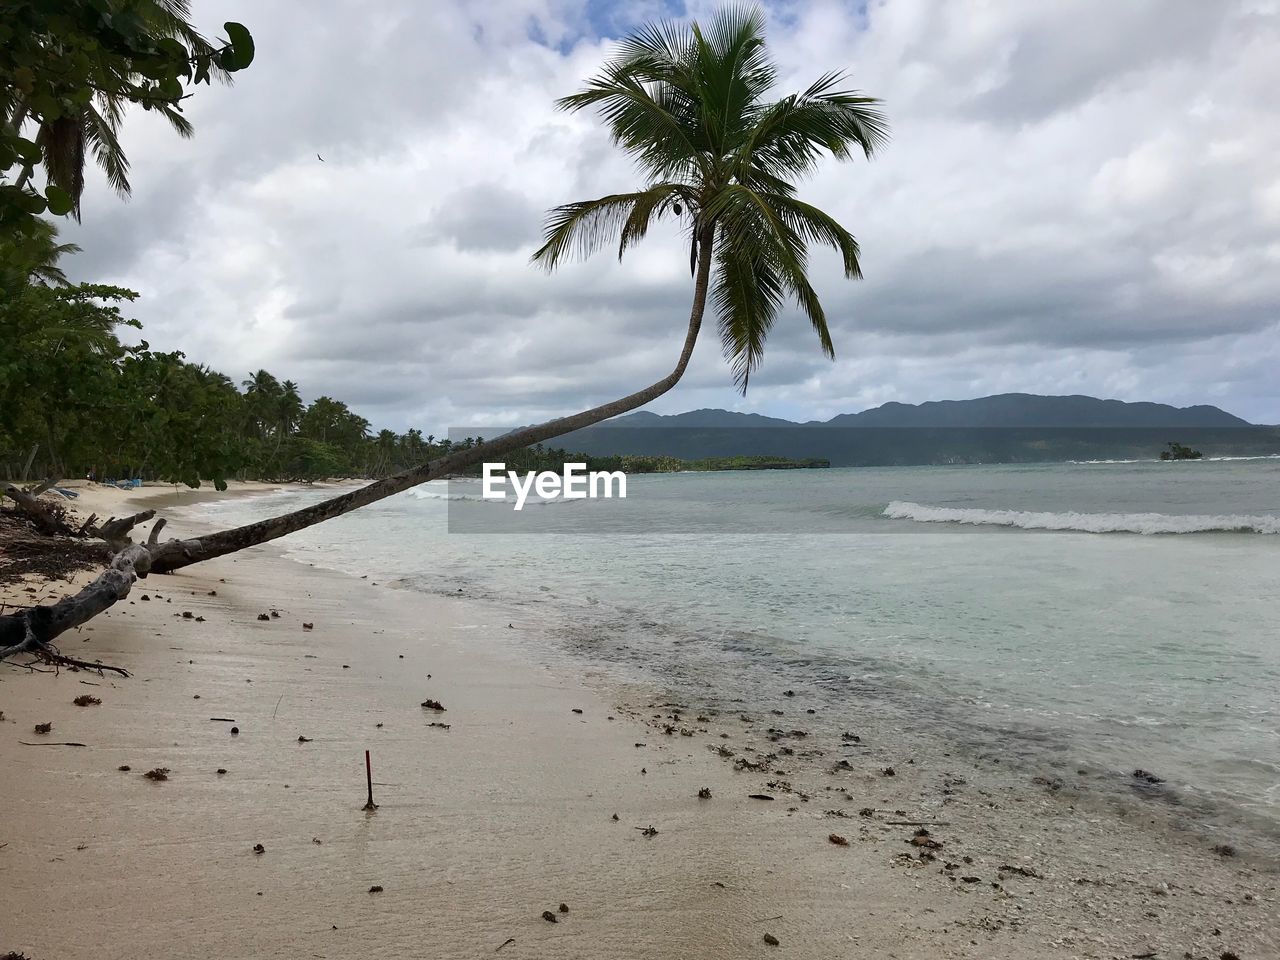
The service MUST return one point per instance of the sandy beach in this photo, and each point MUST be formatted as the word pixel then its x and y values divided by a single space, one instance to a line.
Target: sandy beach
pixel 537 791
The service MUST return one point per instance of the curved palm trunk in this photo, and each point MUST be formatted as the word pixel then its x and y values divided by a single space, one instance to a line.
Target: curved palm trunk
pixel 31 629
pixel 180 553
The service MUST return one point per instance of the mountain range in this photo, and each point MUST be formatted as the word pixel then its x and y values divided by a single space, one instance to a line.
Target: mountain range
pixel 1002 410
pixel 1008 428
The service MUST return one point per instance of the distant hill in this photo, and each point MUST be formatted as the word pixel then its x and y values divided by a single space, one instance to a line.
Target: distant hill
pixel 1032 410
pixel 1003 410
pixel 1009 428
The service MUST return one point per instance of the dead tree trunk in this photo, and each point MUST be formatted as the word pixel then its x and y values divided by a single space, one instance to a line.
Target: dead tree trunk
pixel 34 628
pixel 38 626
pixel 29 504
pixel 116 531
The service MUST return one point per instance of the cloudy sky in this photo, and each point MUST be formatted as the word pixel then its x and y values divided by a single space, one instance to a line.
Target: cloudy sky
pixel 1080 197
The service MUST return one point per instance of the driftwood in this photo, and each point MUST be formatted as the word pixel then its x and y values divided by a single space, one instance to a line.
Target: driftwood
pixel 154 536
pixel 32 630
pixel 116 530
pixel 38 513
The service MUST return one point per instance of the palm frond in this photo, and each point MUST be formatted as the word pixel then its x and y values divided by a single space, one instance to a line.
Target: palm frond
pixel 581 228
pixel 660 51
pixel 47 270
pixel 732 71
pixel 750 218
pixel 747 295
pixel 815 226
pixel 37 252
pixel 181 125
pixel 100 126
pixel 61 142
pixel 791 135
pixel 656 200
pixel 49 275
pixel 654 126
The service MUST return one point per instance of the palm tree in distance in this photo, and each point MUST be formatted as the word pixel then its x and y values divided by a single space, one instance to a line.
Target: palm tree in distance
pixel 289 409
pixel 689 105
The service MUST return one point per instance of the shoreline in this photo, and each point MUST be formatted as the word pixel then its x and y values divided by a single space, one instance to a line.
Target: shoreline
pixel 508 812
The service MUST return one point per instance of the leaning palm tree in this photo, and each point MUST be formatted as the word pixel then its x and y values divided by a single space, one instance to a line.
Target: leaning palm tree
pixel 689 104
pixel 690 107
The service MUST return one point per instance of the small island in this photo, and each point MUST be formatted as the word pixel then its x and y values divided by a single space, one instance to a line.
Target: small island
pixel 746 463
pixel 541 458
pixel 1177 451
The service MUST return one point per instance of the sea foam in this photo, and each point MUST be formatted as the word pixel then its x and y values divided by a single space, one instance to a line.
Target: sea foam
pixel 1144 523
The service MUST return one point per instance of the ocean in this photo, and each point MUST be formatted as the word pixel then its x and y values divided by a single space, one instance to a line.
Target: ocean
pixel 1079 620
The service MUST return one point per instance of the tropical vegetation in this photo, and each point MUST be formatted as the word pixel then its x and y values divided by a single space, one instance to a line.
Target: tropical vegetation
pixel 79 401
pixel 69 70
pixel 1179 451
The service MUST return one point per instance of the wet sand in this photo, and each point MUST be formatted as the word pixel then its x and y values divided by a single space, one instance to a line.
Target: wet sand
pixel 509 812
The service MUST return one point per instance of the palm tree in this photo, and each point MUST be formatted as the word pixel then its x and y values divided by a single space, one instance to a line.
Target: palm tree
pixel 33 257
pixel 94 127
pixel 689 105
pixel 386 447
pixel 262 383
pixel 412 444
pixel 263 393
pixel 289 410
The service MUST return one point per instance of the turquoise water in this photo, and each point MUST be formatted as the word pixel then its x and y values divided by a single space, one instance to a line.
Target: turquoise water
pixel 1108 616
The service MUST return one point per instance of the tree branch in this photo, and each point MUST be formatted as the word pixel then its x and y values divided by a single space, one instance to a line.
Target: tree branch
pixel 156 527
pixel 32 630
pixel 116 531
pixel 43 486
pixel 44 520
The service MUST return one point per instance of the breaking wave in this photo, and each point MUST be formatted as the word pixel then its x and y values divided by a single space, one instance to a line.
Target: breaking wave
pixel 1261 456
pixel 1144 523
pixel 418 493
